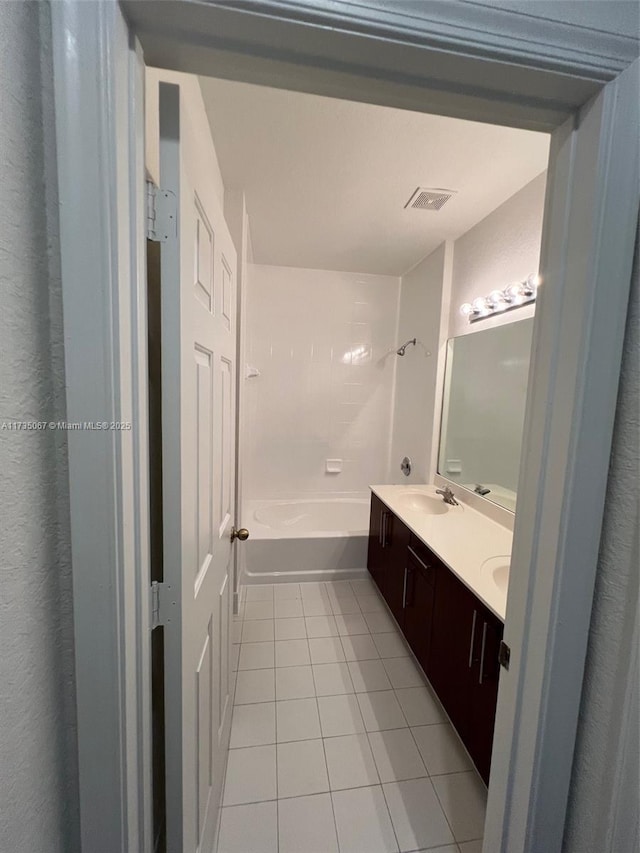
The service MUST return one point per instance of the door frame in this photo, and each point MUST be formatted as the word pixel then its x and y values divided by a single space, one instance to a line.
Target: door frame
pixel 99 113
pixel 465 60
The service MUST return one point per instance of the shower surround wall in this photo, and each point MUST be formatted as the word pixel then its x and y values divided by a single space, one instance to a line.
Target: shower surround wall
pixel 323 342
pixel 423 313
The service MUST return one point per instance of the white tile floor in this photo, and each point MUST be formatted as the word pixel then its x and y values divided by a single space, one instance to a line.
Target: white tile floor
pixel 337 744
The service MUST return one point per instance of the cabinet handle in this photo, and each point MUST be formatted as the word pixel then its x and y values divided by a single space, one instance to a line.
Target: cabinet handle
pixel 484 641
pixel 382 534
pixel 417 559
pixel 404 589
pixel 473 633
pixel 385 520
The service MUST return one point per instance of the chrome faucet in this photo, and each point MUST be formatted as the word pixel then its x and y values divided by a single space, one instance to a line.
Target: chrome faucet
pixel 447 496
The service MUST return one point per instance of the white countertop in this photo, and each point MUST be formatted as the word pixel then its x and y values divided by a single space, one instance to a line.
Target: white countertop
pixel 464 539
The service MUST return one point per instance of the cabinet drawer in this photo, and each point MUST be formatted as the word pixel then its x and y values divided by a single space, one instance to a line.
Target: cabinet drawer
pixel 423 557
pixel 418 606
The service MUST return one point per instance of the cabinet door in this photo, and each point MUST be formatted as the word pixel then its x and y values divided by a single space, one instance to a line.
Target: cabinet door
pixel 419 597
pixel 377 555
pixel 484 690
pixel 452 653
pixel 395 541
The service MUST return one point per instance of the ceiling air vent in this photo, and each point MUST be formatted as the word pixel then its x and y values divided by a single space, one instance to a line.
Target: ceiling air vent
pixel 423 199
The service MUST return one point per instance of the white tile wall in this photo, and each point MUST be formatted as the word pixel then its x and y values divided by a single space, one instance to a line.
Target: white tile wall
pixel 323 343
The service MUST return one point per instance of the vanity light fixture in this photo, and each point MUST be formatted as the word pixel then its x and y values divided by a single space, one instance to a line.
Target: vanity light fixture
pixel 513 296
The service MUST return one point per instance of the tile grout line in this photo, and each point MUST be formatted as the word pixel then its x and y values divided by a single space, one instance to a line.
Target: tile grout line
pixel 446 816
pixel 339 790
pixel 275 714
pixel 413 738
pixel 393 827
pixel 427 775
pixel 326 764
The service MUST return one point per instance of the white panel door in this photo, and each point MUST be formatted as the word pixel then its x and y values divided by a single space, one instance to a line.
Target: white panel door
pixel 198 446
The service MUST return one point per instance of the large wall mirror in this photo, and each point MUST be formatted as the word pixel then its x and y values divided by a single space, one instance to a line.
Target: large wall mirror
pixel 485 395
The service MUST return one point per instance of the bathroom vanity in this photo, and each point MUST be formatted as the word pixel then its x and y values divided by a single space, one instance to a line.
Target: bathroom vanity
pixel 443 571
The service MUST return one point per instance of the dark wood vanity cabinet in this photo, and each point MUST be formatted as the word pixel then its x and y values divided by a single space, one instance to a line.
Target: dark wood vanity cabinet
pixel 451 659
pixel 376 556
pixel 419 599
pixel 463 664
pixel 388 541
pixel 453 635
pixel 395 537
pixel 484 690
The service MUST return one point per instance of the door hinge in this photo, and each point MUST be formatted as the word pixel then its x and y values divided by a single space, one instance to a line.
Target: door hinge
pixel 162 214
pixel 504 654
pixel 156 614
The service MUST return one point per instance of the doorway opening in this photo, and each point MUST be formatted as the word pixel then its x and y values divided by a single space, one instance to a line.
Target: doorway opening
pixel 334 269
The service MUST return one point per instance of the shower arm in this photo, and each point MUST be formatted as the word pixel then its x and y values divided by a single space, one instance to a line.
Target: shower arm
pixel 401 350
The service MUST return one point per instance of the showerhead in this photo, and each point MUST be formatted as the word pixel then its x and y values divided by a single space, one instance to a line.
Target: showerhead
pixel 401 350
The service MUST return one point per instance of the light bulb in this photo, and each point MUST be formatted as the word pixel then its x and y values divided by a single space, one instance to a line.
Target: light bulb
pixel 466 309
pixel 480 305
pixel 497 300
pixel 531 285
pixel 515 291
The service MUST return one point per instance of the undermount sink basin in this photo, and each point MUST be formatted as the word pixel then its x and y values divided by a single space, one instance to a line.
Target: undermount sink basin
pixel 497 568
pixel 419 502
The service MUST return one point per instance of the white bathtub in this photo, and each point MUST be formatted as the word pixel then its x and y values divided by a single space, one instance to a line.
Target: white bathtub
pixel 307 539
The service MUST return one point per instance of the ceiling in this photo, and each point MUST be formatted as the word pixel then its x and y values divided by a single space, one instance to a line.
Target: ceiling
pixel 326 181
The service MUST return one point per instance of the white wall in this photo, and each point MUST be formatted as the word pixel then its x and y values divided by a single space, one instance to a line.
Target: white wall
pixel 38 751
pixel 503 247
pixel 416 387
pixel 313 399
